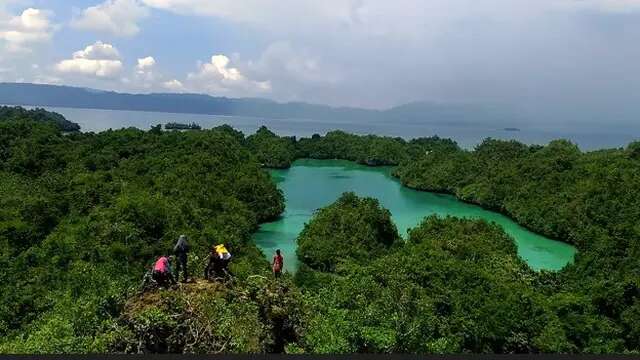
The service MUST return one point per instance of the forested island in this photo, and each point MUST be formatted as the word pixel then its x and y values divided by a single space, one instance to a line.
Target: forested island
pixel 179 126
pixel 82 216
pixel 40 115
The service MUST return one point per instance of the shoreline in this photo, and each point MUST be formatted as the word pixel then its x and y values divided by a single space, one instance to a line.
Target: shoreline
pixel 536 136
pixel 394 178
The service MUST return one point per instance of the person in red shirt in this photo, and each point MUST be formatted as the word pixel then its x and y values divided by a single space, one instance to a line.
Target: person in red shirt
pixel 278 263
pixel 162 272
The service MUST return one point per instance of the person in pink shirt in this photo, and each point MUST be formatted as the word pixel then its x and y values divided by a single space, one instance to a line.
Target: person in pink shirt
pixel 162 272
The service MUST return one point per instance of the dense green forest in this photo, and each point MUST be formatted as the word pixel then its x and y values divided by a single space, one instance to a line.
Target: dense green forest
pixel 455 286
pixel 271 150
pixel 591 200
pixel 372 150
pixel 41 115
pixel 83 216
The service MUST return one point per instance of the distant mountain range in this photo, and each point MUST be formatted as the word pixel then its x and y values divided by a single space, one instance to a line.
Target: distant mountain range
pixel 74 97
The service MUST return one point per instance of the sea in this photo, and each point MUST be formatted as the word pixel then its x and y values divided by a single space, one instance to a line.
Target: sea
pixel 587 137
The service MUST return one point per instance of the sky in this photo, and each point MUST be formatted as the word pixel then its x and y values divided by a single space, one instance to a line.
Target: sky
pixel 555 60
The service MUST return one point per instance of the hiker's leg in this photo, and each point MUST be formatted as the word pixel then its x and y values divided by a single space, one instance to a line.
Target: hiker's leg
pixel 186 273
pixel 145 281
pixel 158 278
pixel 178 268
pixel 207 270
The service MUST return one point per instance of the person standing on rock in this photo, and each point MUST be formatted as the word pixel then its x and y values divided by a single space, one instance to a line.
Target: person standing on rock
pixel 277 264
pixel 180 250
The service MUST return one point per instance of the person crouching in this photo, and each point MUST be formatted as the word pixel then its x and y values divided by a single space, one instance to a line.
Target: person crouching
pixel 162 273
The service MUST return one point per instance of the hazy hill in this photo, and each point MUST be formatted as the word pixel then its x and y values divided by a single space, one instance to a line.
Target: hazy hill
pixel 73 97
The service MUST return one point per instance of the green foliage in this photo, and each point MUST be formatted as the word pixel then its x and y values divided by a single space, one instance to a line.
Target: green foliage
pixel 370 150
pixel 459 286
pixel 83 216
pixel 350 229
pixel 272 151
pixel 455 286
pixel 279 152
pixel 8 113
pixel 253 316
pixel 589 199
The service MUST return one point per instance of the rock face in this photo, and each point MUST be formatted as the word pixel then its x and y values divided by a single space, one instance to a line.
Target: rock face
pixel 252 316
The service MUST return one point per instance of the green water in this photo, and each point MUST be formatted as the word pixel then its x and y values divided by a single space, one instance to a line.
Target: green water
pixel 312 184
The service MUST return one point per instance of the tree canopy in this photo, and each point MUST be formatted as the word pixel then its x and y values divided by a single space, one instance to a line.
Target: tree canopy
pixel 37 114
pixel 84 215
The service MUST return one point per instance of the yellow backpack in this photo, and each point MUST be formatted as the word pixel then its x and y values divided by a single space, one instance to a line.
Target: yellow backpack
pixel 222 252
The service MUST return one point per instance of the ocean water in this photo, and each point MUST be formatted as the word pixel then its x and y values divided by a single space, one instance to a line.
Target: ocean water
pixel 588 137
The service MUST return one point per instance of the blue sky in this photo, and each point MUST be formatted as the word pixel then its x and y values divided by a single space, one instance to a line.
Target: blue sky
pixel 544 57
pixel 176 40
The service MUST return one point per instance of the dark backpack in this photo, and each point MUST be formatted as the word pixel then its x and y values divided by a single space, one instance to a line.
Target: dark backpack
pixel 181 247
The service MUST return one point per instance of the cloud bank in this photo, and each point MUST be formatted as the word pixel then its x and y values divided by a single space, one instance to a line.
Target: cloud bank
pixel 98 60
pixel 117 17
pixel 554 60
pixel 31 27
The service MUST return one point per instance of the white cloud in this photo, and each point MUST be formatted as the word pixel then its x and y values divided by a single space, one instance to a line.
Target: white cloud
pixel 380 53
pixel 219 67
pixel 117 17
pixel 273 15
pixel 173 85
pixel 144 72
pixel 528 53
pixel 99 68
pixel 33 26
pixel 219 77
pixel 406 21
pixel 98 51
pixel 98 60
pixel 281 59
pixel 146 64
